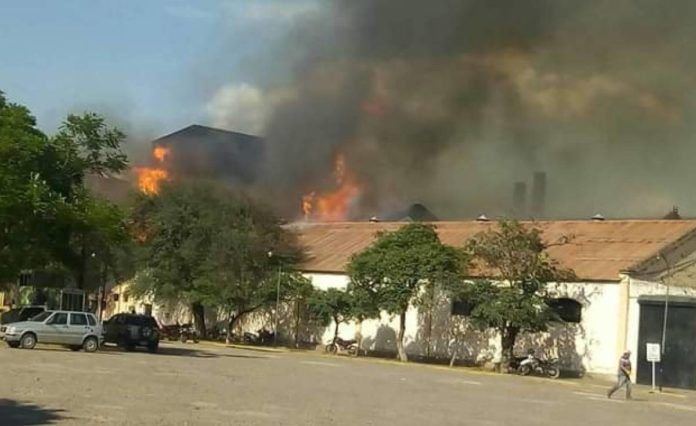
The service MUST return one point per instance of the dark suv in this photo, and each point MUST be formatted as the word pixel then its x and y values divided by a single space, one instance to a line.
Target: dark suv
pixel 21 314
pixel 131 330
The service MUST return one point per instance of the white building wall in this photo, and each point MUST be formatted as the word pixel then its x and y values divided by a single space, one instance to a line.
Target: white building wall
pixel 590 345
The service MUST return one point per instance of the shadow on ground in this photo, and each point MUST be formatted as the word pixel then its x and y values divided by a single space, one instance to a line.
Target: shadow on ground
pixel 22 414
pixel 192 352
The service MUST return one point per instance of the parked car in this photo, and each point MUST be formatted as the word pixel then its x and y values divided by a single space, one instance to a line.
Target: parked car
pixel 76 330
pixel 20 314
pixel 131 330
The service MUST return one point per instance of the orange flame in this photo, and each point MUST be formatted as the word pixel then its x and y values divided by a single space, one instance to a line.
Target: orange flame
pixel 150 179
pixel 161 152
pixel 334 206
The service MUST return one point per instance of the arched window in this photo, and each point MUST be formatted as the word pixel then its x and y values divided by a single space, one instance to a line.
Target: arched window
pixel 569 310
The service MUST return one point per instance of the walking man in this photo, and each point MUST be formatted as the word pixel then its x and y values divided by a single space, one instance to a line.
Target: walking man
pixel 623 377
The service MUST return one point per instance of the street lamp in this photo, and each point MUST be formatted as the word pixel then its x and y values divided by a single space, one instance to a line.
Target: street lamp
pixel 277 309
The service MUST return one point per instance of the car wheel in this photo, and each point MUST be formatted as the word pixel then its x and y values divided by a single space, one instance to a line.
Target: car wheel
pixel 28 341
pixel 153 348
pixel 91 344
pixel 13 345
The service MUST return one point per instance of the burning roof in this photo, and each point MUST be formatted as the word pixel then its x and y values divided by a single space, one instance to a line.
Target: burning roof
pixel 202 152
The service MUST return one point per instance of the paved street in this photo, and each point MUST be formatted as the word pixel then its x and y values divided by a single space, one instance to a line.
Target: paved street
pixel 201 385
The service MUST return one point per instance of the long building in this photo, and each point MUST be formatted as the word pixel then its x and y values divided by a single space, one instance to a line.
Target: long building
pixel 627 270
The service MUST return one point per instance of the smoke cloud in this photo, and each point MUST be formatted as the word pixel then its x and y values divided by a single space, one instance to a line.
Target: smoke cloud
pixel 448 103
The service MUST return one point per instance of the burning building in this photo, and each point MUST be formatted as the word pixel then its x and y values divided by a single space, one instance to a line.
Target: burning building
pixel 202 152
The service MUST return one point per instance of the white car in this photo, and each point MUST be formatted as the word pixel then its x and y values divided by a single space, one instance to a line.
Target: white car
pixel 76 330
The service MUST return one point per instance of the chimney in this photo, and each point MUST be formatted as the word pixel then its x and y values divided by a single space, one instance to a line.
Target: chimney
pixel 539 195
pixel 519 200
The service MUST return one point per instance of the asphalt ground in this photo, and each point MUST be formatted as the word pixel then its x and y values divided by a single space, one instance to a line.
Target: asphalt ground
pixel 201 384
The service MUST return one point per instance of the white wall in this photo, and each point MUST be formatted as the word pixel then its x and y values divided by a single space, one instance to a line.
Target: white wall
pixel 590 344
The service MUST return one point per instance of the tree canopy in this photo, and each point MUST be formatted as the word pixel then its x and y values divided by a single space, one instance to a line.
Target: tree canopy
pixel 399 265
pixel 516 297
pixel 207 246
pixel 47 215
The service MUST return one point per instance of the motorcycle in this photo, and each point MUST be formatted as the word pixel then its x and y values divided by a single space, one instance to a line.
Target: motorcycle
pixel 188 332
pixel 539 367
pixel 339 345
pixel 262 337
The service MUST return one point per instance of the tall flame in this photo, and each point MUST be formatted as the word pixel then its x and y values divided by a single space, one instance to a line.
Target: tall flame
pixel 334 206
pixel 150 178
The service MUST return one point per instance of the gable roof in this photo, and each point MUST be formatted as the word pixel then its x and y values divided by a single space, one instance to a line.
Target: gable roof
pixel 201 151
pixel 596 250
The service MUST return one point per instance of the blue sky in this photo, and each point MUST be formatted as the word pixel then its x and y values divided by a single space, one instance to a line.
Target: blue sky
pixel 147 64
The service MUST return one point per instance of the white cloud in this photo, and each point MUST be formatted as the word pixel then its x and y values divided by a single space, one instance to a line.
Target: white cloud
pixel 239 107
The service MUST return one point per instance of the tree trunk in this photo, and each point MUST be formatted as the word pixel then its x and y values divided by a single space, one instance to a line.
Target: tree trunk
pixel 358 334
pixel 336 330
pixel 230 326
pixel 297 322
pixel 508 336
pixel 400 338
pixel 199 318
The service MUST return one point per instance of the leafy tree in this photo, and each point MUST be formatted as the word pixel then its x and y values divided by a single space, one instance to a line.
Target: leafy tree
pixel 400 266
pixel 47 216
pixel 25 198
pixel 208 247
pixel 515 256
pixel 332 304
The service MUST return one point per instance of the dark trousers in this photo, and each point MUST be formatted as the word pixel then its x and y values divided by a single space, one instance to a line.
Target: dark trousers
pixel 621 380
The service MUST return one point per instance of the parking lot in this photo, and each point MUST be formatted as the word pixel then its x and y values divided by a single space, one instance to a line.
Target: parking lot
pixel 201 384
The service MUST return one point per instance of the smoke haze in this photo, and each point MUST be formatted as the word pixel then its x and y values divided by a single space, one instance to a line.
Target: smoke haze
pixel 448 103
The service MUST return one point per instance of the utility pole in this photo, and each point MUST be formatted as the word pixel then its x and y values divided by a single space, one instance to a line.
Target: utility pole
pixel 277 310
pixel 277 307
pixel 665 281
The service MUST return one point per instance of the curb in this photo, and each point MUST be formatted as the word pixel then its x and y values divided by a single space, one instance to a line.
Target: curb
pixel 244 347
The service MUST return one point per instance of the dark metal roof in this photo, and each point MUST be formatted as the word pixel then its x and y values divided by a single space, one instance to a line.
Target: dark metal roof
pixel 201 152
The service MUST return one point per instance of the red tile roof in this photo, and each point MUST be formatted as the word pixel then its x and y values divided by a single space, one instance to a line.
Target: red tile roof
pixel 597 251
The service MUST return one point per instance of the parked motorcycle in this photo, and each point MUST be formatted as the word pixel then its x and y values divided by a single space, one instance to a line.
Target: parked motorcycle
pixel 188 332
pixel 339 345
pixel 262 337
pixel 531 365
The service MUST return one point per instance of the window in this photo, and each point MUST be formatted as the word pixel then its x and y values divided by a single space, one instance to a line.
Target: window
pixel 91 320
pixel 58 319
pixel 29 313
pixel 568 310
pixel 41 317
pixel 125 297
pixel 78 319
pixel 461 308
pixel 115 295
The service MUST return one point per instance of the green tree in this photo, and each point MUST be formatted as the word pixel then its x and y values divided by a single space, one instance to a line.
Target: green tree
pixel 47 216
pixel 332 304
pixel 401 266
pixel 209 247
pixel 516 299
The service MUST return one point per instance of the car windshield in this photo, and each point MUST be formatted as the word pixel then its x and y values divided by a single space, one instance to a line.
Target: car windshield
pixel 41 317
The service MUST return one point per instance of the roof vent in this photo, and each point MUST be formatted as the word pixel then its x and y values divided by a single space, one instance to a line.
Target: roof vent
pixel 483 218
pixel 598 218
